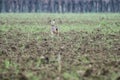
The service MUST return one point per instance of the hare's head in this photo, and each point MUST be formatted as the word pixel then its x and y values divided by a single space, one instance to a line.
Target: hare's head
pixel 52 22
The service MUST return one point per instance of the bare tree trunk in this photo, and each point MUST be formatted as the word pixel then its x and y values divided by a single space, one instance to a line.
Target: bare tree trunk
pixel 60 6
pixel 118 5
pixel 52 6
pixel 3 6
pixel 1 1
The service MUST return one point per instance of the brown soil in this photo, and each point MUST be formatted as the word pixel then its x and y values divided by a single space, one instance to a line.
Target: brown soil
pixel 90 55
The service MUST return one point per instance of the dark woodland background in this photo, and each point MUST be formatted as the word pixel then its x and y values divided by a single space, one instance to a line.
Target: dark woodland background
pixel 60 6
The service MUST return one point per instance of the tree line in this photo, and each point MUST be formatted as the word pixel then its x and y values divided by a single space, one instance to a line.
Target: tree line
pixel 60 6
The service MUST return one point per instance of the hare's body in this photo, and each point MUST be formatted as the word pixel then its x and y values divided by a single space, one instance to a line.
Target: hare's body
pixel 54 28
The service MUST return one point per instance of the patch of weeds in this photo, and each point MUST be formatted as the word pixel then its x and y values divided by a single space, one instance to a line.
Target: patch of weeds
pixel 7 64
pixel 15 66
pixel 84 59
pixel 38 63
pixel 114 76
pixel 70 76
pixel 39 38
pixel 31 76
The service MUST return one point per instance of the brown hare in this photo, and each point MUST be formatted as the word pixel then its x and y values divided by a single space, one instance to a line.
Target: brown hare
pixel 54 28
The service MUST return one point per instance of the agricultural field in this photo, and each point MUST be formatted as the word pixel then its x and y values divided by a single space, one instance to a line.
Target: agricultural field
pixel 87 48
